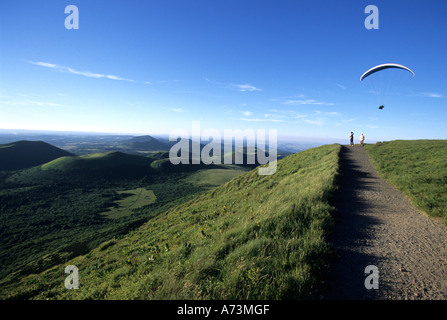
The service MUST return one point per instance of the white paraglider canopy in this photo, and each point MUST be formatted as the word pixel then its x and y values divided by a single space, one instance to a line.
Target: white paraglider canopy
pixel 383 67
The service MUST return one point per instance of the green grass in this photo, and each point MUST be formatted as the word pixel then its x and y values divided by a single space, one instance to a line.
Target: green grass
pixel 133 199
pixel 255 237
pixel 214 177
pixel 418 168
pixel 58 163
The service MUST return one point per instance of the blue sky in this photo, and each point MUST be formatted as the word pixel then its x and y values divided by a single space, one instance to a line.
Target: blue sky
pixel 146 67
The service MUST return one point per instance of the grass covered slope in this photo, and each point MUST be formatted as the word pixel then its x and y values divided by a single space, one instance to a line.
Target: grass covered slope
pixel 416 167
pixel 110 165
pixel 255 237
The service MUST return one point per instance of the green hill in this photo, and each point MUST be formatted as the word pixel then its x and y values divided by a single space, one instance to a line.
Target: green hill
pixel 147 143
pixel 261 237
pixel 25 154
pixel 97 161
pixel 111 165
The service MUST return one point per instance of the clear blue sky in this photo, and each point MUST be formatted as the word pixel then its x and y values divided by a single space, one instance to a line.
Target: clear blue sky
pixel 146 67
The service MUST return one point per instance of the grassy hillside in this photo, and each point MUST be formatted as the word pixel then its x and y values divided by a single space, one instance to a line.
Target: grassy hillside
pixel 25 154
pixel 211 178
pixel 261 237
pixel 105 166
pixel 60 209
pixel 418 168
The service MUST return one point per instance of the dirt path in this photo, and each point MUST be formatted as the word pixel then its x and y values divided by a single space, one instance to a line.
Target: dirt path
pixel 377 225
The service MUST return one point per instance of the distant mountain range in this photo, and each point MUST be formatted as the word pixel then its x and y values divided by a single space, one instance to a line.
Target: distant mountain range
pixel 86 143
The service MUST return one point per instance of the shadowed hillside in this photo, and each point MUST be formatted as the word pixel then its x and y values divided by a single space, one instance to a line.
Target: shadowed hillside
pixel 25 154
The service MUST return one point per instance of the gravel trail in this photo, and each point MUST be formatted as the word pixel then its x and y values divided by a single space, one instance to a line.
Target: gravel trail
pixel 377 225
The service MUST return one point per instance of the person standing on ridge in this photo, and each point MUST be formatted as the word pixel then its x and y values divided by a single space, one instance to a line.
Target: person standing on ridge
pixel 362 138
pixel 351 139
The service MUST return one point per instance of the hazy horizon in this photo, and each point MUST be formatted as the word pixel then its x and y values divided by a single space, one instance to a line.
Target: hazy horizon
pixel 19 132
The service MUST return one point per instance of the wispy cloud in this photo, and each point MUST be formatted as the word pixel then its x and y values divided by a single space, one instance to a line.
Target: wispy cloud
pixel 282 99
pixel 341 86
pixel 274 115
pixel 30 103
pixel 244 87
pixel 315 117
pixel 328 113
pixel 177 109
pixel 246 113
pixel 238 87
pixel 301 100
pixel 432 95
pixel 44 64
pixel 298 102
pixel 317 122
pixel 77 72
pixel 261 120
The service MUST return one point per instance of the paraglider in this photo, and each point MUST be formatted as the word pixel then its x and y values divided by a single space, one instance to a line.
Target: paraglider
pixel 378 84
pixel 384 66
